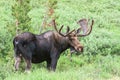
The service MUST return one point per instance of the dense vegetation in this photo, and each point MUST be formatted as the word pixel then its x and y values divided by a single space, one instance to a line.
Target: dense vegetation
pixel 101 57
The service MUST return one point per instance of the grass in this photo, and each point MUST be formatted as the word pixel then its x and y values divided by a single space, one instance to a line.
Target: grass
pixel 81 68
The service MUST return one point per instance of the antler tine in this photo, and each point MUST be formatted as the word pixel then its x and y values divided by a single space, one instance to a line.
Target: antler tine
pixel 90 27
pixel 66 33
pixel 60 31
pixel 61 28
pixel 54 24
pixel 88 31
pixel 69 32
pixel 68 29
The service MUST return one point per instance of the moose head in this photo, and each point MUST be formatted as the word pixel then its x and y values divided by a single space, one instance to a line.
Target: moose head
pixel 72 36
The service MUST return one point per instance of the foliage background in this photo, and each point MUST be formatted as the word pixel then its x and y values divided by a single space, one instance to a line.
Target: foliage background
pixel 100 59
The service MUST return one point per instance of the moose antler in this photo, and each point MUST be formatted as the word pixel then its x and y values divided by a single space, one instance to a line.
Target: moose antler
pixel 54 24
pixel 84 26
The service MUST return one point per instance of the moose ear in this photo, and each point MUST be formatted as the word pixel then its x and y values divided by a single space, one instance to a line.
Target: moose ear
pixel 78 30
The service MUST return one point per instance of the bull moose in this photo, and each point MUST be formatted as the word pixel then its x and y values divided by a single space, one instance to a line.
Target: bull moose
pixel 47 46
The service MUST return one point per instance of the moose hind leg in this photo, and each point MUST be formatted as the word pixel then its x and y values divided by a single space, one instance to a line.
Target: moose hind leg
pixel 28 65
pixel 17 62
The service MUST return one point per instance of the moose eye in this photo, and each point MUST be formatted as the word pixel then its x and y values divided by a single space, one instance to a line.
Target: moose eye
pixel 71 39
pixel 74 35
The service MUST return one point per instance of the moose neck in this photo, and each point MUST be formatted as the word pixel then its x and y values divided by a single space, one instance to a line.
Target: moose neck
pixel 63 42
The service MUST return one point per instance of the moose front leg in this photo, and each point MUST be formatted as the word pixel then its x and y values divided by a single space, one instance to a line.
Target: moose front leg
pixel 54 59
pixel 54 64
pixel 48 64
pixel 17 62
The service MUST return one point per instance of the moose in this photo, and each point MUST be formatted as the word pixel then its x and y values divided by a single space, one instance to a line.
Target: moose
pixel 47 46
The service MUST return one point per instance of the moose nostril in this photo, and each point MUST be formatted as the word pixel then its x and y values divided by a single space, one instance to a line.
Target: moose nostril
pixel 80 49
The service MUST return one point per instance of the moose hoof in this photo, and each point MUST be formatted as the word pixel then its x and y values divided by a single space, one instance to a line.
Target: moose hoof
pixel 27 71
